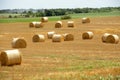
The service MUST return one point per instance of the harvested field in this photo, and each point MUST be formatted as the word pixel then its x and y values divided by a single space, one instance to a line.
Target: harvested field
pixel 68 60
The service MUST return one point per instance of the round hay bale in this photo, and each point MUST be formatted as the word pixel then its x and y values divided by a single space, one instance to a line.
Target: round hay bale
pixel 87 35
pixel 11 57
pixel 68 37
pixel 70 23
pixel 57 38
pixel 85 20
pixel 19 43
pixel 58 24
pixel 104 37
pixel 32 24
pixel 38 38
pixel 44 19
pixel 112 39
pixel 50 34
pixel 38 25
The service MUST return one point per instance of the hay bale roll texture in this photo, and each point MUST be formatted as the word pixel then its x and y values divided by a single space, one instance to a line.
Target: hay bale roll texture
pixel 85 20
pixel 32 24
pixel 19 43
pixel 38 38
pixel 57 38
pixel 87 35
pixel 44 19
pixel 50 34
pixel 58 24
pixel 104 37
pixel 68 37
pixel 36 24
pixel 112 39
pixel 70 23
pixel 11 57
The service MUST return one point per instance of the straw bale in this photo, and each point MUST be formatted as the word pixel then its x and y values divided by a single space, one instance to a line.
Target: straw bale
pixel 87 35
pixel 50 34
pixel 58 24
pixel 85 20
pixel 38 38
pixel 11 57
pixel 68 37
pixel 32 24
pixel 38 25
pixel 19 43
pixel 112 39
pixel 104 37
pixel 44 19
pixel 70 23
pixel 57 38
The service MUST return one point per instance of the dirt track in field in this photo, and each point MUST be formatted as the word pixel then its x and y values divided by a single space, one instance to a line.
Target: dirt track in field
pixel 51 55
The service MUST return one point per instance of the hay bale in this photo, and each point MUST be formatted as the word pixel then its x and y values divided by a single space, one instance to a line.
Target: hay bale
pixel 11 57
pixel 85 20
pixel 57 38
pixel 58 24
pixel 44 19
pixel 50 34
pixel 112 39
pixel 70 23
pixel 32 24
pixel 87 35
pixel 38 25
pixel 104 37
pixel 68 37
pixel 19 43
pixel 38 38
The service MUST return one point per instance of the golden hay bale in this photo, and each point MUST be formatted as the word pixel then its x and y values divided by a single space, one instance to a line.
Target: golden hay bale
pixel 57 38
pixel 112 39
pixel 38 38
pixel 50 34
pixel 104 37
pixel 38 25
pixel 85 20
pixel 32 24
pixel 44 19
pixel 68 37
pixel 11 57
pixel 87 35
pixel 58 24
pixel 70 23
pixel 19 43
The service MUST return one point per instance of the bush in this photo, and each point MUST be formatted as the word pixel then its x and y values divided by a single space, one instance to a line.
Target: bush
pixel 66 17
pixel 10 16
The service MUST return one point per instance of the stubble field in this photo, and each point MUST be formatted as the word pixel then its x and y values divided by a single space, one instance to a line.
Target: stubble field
pixel 68 60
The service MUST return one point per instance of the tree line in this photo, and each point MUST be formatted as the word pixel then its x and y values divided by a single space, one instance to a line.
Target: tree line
pixel 59 12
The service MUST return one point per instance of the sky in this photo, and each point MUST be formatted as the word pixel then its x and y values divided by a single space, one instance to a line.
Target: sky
pixel 50 4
